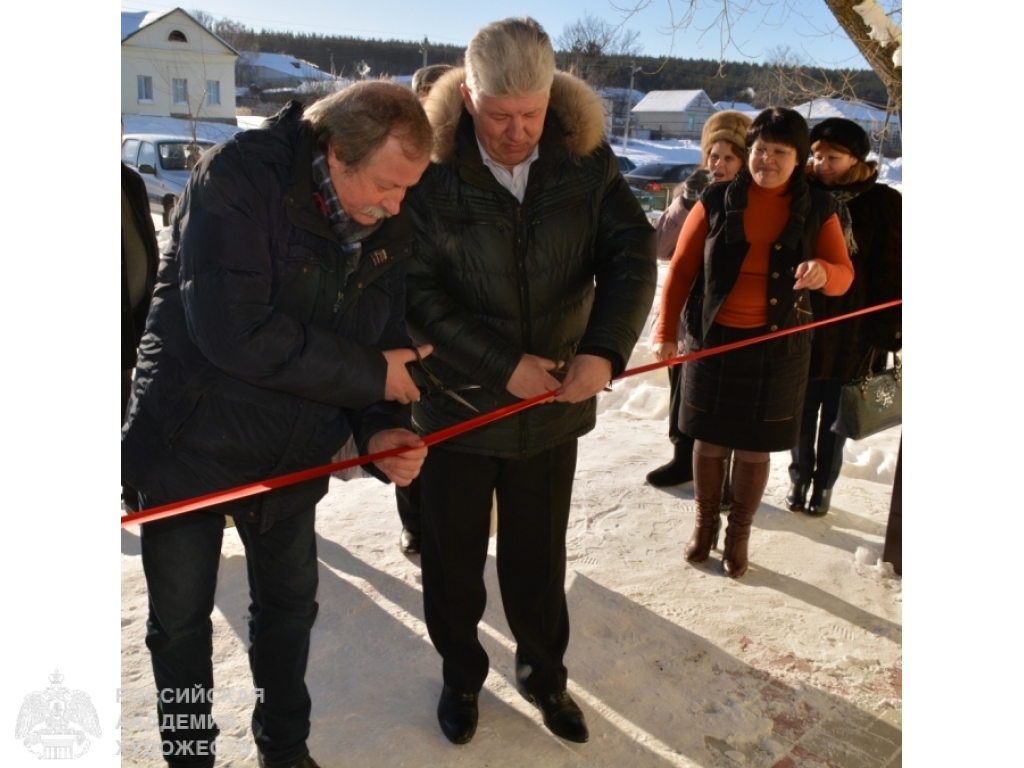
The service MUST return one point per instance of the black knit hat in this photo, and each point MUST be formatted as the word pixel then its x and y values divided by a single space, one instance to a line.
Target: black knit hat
pixel 843 133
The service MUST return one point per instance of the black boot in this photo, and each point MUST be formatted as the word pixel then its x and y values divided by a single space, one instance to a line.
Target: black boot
pixel 821 500
pixel 797 497
pixel 678 471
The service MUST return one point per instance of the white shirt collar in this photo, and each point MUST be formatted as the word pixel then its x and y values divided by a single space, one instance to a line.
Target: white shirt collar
pixel 514 181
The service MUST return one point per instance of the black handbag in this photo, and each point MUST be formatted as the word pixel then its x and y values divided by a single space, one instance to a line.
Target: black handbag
pixel 871 404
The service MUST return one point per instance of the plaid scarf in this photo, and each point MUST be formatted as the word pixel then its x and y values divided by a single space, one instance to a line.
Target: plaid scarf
pixel 349 233
pixel 842 197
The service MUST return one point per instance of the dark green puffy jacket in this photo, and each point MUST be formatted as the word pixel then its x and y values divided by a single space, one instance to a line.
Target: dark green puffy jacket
pixel 569 270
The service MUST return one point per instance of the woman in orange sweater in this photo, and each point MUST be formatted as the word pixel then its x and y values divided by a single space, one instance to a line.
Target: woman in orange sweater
pixel 748 255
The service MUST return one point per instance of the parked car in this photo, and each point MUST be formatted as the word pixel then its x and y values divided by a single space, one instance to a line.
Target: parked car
pixel 164 162
pixel 625 164
pixel 653 183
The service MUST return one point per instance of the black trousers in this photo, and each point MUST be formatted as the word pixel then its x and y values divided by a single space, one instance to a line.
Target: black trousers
pixel 675 408
pixel 534 496
pixel 819 454
pixel 408 500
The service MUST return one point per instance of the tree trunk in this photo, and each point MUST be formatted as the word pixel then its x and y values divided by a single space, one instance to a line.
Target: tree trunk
pixel 879 58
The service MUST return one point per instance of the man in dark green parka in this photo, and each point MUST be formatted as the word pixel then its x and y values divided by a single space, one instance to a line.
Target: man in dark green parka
pixel 536 273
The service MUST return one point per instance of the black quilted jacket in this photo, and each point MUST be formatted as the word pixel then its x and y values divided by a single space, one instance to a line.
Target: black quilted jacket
pixel 569 270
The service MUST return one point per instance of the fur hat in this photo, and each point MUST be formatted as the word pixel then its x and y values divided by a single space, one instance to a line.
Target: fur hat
pixel 729 125
pixel 843 133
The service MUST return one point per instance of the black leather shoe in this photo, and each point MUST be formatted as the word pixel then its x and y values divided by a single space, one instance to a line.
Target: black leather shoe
pixel 306 762
pixel 409 542
pixel 797 497
pixel 457 713
pixel 562 715
pixel 820 502
pixel 676 472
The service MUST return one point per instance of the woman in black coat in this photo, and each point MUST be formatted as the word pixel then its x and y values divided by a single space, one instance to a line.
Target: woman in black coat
pixel 843 351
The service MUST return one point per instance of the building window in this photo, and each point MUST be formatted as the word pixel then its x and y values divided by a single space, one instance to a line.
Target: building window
pixel 145 89
pixel 212 92
pixel 177 36
pixel 179 91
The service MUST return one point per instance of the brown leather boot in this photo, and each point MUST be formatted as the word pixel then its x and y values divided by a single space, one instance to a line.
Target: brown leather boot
pixel 708 474
pixel 748 484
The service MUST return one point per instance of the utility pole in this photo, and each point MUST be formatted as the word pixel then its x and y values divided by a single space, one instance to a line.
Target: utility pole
pixel 424 49
pixel 633 69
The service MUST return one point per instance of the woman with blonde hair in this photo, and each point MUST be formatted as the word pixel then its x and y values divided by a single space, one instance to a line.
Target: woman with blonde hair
pixel 723 144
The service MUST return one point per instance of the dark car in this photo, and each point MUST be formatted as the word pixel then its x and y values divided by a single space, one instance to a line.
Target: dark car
pixel 164 163
pixel 625 164
pixel 652 183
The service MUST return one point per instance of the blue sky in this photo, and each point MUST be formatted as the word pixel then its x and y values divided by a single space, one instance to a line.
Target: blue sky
pixel 808 29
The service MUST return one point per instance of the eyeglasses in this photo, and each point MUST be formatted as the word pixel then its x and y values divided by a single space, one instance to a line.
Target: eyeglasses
pixel 776 155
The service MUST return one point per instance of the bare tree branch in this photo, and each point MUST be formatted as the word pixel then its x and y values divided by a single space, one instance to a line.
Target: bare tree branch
pixel 879 57
pixel 722 17
pixel 584 48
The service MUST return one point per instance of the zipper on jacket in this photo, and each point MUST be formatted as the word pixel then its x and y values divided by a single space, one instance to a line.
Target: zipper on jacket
pixel 524 313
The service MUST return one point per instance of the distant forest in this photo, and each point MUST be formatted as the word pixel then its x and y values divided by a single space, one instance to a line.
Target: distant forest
pixel 759 84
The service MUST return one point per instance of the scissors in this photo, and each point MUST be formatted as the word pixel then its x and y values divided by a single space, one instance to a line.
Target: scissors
pixel 434 384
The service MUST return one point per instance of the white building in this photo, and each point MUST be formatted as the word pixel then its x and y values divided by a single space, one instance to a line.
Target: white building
pixel 871 119
pixel 672 114
pixel 172 65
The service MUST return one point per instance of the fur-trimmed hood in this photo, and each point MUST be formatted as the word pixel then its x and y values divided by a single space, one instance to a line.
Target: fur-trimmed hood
pixel 576 107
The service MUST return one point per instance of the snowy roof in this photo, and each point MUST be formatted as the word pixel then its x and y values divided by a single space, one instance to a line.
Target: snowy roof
pixel 289 65
pixel 621 94
pixel 858 111
pixel 739 106
pixel 310 86
pixel 668 101
pixel 133 21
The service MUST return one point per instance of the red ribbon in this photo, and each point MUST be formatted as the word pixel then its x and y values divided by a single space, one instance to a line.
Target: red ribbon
pixel 244 491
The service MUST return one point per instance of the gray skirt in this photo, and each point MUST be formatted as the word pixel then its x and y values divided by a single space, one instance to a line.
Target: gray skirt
pixel 750 398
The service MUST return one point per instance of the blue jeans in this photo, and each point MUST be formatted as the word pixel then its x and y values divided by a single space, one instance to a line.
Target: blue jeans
pixel 180 556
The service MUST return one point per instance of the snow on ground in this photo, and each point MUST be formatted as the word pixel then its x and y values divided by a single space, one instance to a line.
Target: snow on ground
pixel 674 664
pixel 642 151
pixel 796 663
pixel 175 126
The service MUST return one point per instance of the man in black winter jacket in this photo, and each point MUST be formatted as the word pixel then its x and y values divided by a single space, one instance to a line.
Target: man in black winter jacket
pixel 536 273
pixel 138 274
pixel 276 333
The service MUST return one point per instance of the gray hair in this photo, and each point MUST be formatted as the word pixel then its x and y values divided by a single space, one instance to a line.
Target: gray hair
pixel 511 57
pixel 355 122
